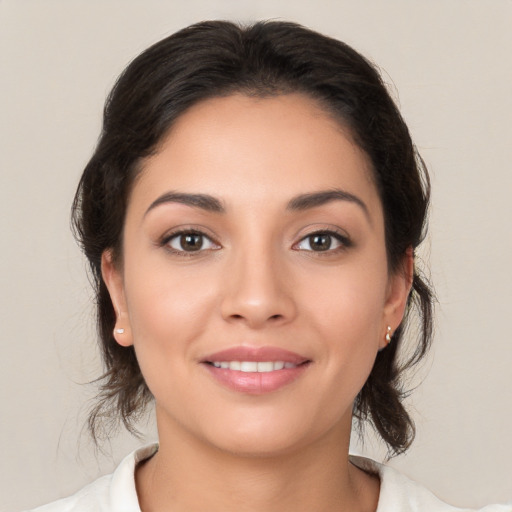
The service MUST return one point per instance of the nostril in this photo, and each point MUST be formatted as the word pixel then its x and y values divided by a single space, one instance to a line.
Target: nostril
pixel 273 317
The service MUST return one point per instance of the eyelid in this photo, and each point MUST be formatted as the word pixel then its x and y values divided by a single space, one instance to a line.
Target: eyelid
pixel 185 230
pixel 339 235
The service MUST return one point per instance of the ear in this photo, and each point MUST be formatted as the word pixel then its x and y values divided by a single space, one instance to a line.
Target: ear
pixel 399 286
pixel 114 281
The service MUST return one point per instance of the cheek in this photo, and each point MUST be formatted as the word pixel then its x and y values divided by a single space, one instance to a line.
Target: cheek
pixel 346 309
pixel 168 312
pixel 168 308
pixel 350 299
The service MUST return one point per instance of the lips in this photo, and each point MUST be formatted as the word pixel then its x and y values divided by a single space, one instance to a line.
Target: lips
pixel 255 370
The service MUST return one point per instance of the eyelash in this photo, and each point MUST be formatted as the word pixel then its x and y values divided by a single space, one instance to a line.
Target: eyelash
pixel 166 240
pixel 342 239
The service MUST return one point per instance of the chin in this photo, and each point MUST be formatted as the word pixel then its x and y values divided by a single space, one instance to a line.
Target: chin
pixel 265 435
pixel 252 444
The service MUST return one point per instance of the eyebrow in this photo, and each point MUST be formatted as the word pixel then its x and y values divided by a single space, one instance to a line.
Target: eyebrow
pixel 307 201
pixel 202 201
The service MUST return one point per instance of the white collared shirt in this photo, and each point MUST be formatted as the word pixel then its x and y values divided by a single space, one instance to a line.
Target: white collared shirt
pixel 117 492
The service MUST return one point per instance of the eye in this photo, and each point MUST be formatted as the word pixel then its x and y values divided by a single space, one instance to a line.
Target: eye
pixel 323 241
pixel 190 242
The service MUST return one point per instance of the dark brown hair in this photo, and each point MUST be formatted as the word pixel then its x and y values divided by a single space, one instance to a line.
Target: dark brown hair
pixel 219 58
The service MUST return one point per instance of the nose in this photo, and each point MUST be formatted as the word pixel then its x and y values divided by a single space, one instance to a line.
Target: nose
pixel 258 291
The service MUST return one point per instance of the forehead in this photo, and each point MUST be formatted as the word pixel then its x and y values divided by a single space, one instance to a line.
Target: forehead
pixel 244 148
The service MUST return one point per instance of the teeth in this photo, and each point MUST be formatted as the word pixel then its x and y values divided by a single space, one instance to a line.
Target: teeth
pixel 253 366
pixel 265 367
pixel 248 366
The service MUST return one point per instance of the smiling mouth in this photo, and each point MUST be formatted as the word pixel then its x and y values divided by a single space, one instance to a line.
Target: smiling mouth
pixel 255 370
pixel 255 366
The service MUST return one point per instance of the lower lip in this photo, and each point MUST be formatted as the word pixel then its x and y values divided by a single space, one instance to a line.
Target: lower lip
pixel 256 383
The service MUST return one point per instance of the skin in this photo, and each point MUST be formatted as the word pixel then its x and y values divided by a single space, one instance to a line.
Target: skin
pixel 256 281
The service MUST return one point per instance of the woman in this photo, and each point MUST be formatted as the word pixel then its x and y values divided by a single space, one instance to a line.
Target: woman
pixel 250 215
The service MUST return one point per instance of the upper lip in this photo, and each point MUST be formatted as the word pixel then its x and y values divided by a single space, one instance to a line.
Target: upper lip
pixel 258 354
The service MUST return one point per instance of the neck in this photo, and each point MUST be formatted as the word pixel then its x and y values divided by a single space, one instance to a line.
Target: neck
pixel 187 474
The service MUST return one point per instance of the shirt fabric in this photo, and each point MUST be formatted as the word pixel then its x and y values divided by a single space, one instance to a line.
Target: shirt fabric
pixel 117 492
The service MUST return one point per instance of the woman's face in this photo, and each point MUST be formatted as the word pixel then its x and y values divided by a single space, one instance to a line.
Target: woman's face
pixel 254 285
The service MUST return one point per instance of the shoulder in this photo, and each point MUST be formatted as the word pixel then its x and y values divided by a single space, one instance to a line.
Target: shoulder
pixel 92 497
pixel 401 494
pixel 110 493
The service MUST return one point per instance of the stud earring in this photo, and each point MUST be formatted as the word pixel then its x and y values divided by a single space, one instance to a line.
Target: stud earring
pixel 387 337
pixel 119 331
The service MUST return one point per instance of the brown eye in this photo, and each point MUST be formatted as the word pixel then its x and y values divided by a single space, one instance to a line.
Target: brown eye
pixel 190 242
pixel 320 242
pixel 323 242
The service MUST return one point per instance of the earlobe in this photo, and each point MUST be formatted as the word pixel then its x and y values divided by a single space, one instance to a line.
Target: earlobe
pixel 400 284
pixel 114 282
